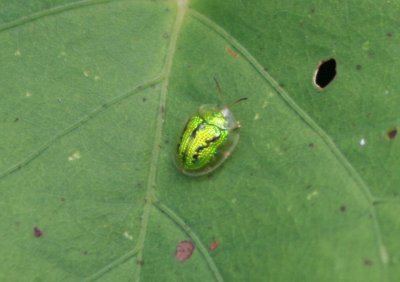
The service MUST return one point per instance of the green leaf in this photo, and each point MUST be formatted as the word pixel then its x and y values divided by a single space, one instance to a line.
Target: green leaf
pixel 94 95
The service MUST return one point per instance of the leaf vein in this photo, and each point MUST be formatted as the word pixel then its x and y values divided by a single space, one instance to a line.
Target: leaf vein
pixel 50 12
pixel 199 244
pixel 151 182
pixel 77 125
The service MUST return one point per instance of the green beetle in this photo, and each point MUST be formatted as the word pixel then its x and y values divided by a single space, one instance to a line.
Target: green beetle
pixel 208 139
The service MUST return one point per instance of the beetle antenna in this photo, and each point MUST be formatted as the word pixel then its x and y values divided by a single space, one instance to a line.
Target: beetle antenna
pixel 237 101
pixel 221 94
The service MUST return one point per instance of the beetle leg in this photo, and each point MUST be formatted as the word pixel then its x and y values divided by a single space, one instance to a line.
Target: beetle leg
pixel 237 125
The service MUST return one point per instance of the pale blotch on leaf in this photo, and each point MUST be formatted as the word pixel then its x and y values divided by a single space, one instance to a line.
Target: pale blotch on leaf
pixel 86 73
pixel 384 254
pixel 75 156
pixel 17 53
pixel 265 104
pixel 363 142
pixel 62 54
pixel 257 116
pixel 28 94
pixel 234 200
pixel 96 77
pixel 366 45
pixel 127 235
pixel 313 194
pixel 278 151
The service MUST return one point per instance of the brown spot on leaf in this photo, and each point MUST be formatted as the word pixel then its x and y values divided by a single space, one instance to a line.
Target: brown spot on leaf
pixel 391 134
pixel 232 53
pixel 37 232
pixel 358 67
pixel 184 250
pixel 214 245
pixel 140 262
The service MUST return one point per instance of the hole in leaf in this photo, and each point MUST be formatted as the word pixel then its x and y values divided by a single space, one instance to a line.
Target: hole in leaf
pixel 325 73
pixel 391 134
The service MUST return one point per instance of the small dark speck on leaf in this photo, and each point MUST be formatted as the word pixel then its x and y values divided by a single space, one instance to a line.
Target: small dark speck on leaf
pixel 358 67
pixel 37 232
pixel 62 199
pixel 165 36
pixel 214 245
pixel 85 253
pixel 391 134
pixel 368 262
pixel 325 73
pixel 311 145
pixel 343 208
pixel 16 119
pixel 184 250
pixel 140 262
pixel 389 34
pixel 144 99
pixel 312 11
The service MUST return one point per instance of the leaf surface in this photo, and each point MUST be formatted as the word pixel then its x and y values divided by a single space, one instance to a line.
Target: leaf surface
pixel 94 95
